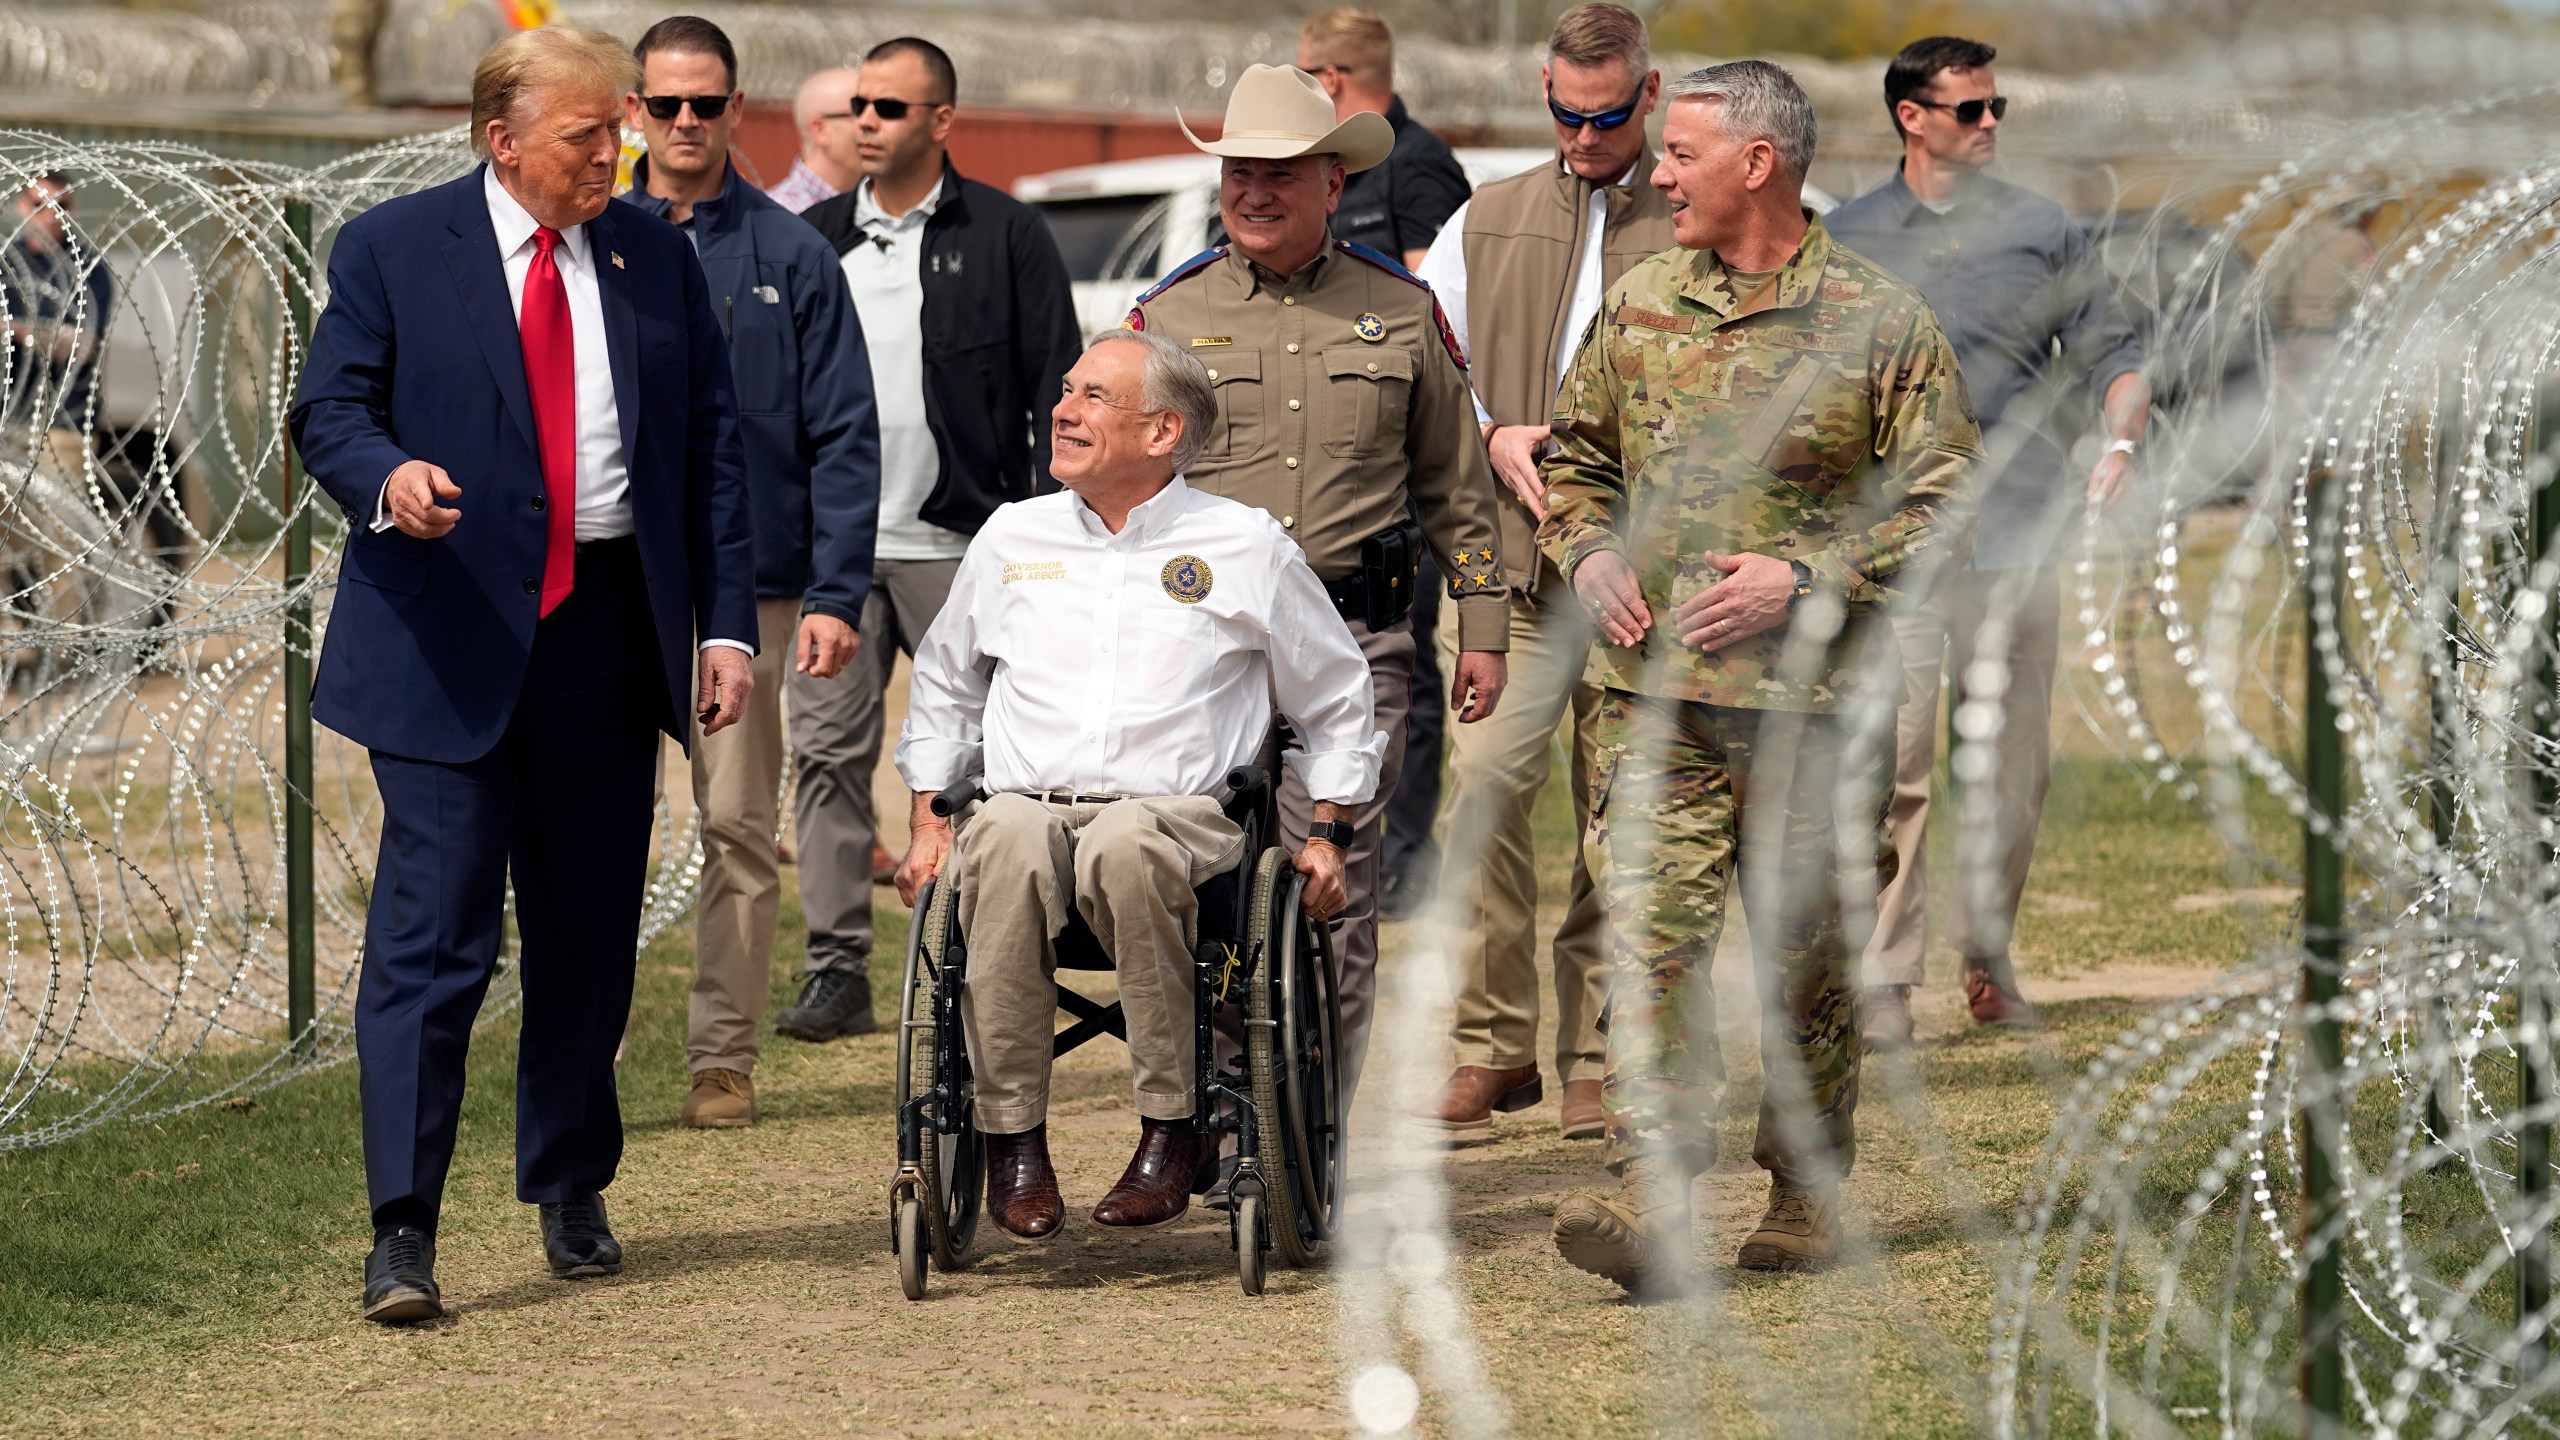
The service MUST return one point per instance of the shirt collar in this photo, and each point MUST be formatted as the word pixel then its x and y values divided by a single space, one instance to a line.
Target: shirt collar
pixel 1300 281
pixel 867 211
pixel 706 212
pixel 1797 279
pixel 515 226
pixel 1969 190
pixel 1146 521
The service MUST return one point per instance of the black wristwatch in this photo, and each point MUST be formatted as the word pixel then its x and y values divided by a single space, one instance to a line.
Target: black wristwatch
pixel 1336 833
pixel 1803 586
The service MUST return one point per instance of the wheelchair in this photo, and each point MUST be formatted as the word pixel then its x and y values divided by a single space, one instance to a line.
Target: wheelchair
pixel 1255 950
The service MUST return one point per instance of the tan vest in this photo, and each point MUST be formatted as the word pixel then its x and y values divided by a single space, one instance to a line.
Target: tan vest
pixel 1523 246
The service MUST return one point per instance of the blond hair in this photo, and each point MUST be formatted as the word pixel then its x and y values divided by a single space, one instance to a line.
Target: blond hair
pixel 1351 39
pixel 553 56
pixel 1594 35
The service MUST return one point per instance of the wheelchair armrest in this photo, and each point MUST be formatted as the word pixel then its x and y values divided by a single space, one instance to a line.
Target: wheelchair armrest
pixel 1248 783
pixel 958 798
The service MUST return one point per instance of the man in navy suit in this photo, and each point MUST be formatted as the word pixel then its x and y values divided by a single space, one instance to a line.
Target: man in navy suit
pixel 521 398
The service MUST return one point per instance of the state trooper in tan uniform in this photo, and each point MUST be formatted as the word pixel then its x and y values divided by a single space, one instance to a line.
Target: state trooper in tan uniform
pixel 1340 391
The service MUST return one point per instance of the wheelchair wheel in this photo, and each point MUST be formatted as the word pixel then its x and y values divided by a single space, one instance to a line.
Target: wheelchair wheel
pixel 1244 1231
pixel 912 1244
pixel 1297 1094
pixel 951 1156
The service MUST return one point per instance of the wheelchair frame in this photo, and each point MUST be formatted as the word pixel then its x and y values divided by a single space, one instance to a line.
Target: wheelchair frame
pixel 1284 1104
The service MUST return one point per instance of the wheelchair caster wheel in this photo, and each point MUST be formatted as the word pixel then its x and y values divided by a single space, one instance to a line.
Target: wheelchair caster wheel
pixel 912 1244
pixel 1245 1224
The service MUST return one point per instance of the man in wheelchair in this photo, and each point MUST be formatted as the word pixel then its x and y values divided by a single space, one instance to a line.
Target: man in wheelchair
pixel 1109 654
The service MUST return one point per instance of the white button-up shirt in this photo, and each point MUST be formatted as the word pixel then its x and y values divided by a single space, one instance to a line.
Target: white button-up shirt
pixel 886 277
pixel 1142 663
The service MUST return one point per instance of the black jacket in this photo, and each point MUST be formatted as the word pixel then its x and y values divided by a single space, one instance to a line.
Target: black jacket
pixel 804 395
pixel 999 338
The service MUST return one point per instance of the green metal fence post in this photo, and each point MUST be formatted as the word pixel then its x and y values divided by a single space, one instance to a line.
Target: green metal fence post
pixel 300 959
pixel 2323 916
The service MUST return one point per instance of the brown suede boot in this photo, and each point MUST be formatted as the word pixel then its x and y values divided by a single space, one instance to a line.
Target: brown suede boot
pixel 1888 1017
pixel 720 1100
pixel 1638 1237
pixel 1799 1231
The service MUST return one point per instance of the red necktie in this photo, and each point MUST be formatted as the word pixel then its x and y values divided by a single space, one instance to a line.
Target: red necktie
pixel 551 374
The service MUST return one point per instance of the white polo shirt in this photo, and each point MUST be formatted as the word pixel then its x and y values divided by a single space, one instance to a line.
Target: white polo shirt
pixel 886 274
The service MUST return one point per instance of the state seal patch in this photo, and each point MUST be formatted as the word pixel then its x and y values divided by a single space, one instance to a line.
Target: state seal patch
pixel 1370 327
pixel 1187 579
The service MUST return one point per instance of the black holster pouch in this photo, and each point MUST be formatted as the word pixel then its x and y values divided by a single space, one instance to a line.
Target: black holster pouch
pixel 1380 592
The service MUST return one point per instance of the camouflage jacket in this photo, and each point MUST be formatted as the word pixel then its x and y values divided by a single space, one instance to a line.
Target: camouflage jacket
pixel 1824 422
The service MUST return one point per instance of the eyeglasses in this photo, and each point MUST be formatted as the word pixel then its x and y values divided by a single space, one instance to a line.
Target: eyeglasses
pixel 667 107
pixel 889 109
pixel 1598 119
pixel 1968 113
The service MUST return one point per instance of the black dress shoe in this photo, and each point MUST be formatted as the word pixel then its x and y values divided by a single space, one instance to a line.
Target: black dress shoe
pixel 1022 1186
pixel 834 1003
pixel 400 1278
pixel 1174 1161
pixel 576 1240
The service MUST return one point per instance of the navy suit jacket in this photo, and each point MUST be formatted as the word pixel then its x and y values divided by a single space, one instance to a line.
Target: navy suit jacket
pixel 418 357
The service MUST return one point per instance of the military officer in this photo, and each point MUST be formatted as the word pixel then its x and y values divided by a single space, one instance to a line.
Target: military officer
pixel 1763 439
pixel 1340 392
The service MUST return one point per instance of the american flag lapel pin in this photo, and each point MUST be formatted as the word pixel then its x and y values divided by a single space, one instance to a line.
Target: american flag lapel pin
pixel 616 256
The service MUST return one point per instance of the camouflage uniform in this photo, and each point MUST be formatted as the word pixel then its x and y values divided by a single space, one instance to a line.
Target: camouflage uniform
pixel 1825 422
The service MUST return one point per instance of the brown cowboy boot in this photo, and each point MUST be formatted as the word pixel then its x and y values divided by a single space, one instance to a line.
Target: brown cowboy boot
pixel 1638 1237
pixel 1162 1176
pixel 1463 1110
pixel 1022 1187
pixel 1582 1117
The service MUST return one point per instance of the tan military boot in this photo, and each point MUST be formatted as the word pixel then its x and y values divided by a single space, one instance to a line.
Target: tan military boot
pixel 720 1100
pixel 1638 1237
pixel 1800 1231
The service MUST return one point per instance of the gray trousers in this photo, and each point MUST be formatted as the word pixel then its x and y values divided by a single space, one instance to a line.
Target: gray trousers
pixel 2012 618
pixel 1129 868
pixel 839 750
pixel 1390 654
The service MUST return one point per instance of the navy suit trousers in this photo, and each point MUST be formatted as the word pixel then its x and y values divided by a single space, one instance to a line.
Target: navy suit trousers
pixel 562 806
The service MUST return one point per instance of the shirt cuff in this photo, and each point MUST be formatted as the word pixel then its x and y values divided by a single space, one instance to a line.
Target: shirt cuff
pixel 382 508
pixel 1484 621
pixel 728 645
pixel 928 763
pixel 1339 777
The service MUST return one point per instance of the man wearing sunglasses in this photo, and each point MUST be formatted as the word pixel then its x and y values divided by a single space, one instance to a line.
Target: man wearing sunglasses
pixel 971 328
pixel 813 488
pixel 2043 344
pixel 1520 271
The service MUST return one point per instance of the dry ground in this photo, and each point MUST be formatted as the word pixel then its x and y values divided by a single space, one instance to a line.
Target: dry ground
pixel 761 1298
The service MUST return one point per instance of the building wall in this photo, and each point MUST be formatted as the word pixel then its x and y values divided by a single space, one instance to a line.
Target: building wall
pixel 997 146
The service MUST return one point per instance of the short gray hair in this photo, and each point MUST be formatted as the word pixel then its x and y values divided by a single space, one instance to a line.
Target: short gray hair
pixel 1174 381
pixel 1761 101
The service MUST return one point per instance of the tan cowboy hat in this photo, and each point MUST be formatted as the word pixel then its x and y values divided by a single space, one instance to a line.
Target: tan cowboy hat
pixel 1280 112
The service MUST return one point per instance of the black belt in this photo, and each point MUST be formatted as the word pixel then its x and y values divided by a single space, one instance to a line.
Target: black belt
pixel 1073 797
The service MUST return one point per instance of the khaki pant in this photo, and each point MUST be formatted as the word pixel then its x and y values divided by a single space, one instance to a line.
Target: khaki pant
pixel 2011 619
pixel 838 749
pixel 1128 868
pixel 737 789
pixel 1390 654
pixel 1497 766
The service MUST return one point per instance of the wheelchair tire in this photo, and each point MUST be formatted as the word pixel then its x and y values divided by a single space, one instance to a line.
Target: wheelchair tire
pixel 953 1166
pixel 912 1244
pixel 1245 1230
pixel 1291 1043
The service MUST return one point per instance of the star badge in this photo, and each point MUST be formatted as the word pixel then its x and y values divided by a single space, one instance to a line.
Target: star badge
pixel 1370 327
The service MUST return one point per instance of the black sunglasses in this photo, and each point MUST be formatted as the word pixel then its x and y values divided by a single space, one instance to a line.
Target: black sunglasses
pixel 1597 119
pixel 667 107
pixel 889 109
pixel 1968 113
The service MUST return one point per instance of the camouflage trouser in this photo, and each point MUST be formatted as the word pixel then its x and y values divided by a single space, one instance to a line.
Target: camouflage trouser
pixel 1669 821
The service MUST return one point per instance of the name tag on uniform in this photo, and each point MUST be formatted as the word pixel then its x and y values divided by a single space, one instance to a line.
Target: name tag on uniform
pixel 1034 570
pixel 1198 341
pixel 1629 315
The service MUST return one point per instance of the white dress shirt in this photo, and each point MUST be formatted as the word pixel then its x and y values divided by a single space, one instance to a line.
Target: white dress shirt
pixel 1444 268
pixel 886 276
pixel 604 476
pixel 1143 663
